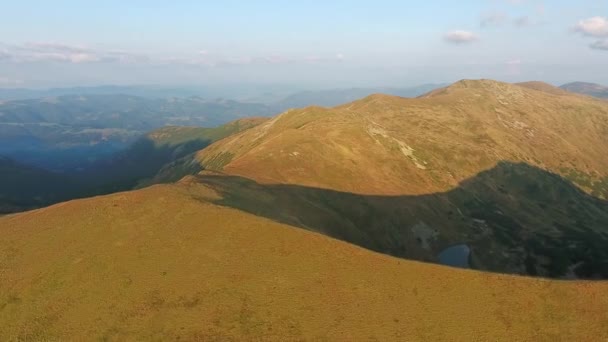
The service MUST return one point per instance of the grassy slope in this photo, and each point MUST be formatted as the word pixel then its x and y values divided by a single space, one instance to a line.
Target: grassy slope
pixel 163 263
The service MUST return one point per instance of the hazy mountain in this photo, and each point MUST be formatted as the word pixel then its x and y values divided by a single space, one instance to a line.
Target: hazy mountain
pixel 585 88
pixel 510 171
pixel 165 263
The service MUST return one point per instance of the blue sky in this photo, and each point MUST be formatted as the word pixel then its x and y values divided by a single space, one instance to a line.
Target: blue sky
pixel 321 43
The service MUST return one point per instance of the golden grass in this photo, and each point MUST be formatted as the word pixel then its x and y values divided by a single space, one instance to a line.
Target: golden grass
pixel 163 264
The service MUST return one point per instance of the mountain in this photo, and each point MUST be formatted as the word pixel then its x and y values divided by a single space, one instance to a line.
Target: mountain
pixel 585 88
pixel 334 97
pixel 68 132
pixel 509 171
pixel 164 263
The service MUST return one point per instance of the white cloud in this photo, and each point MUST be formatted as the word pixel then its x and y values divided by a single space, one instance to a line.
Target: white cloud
pixel 460 37
pixel 600 45
pixel 593 27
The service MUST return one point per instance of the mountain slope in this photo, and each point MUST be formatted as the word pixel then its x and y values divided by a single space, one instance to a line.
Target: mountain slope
pixel 163 264
pixel 508 170
pixel 585 88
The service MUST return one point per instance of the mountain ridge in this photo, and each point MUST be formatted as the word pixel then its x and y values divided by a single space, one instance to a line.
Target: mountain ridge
pixel 502 132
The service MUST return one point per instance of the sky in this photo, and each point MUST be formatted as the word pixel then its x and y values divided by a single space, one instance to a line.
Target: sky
pixel 314 43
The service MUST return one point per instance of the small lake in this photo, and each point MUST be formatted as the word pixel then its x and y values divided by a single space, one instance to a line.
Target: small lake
pixel 455 256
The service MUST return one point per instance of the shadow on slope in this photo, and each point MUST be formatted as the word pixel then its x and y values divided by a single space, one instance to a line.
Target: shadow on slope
pixel 24 187
pixel 516 218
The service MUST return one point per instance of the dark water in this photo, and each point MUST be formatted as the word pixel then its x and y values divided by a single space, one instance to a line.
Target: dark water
pixel 455 256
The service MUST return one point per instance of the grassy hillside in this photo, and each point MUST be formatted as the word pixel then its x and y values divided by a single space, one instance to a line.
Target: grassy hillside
pixel 163 263
pixel 511 170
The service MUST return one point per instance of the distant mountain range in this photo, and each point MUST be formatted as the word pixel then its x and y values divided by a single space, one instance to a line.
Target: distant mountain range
pixel 69 132
pixel 591 89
